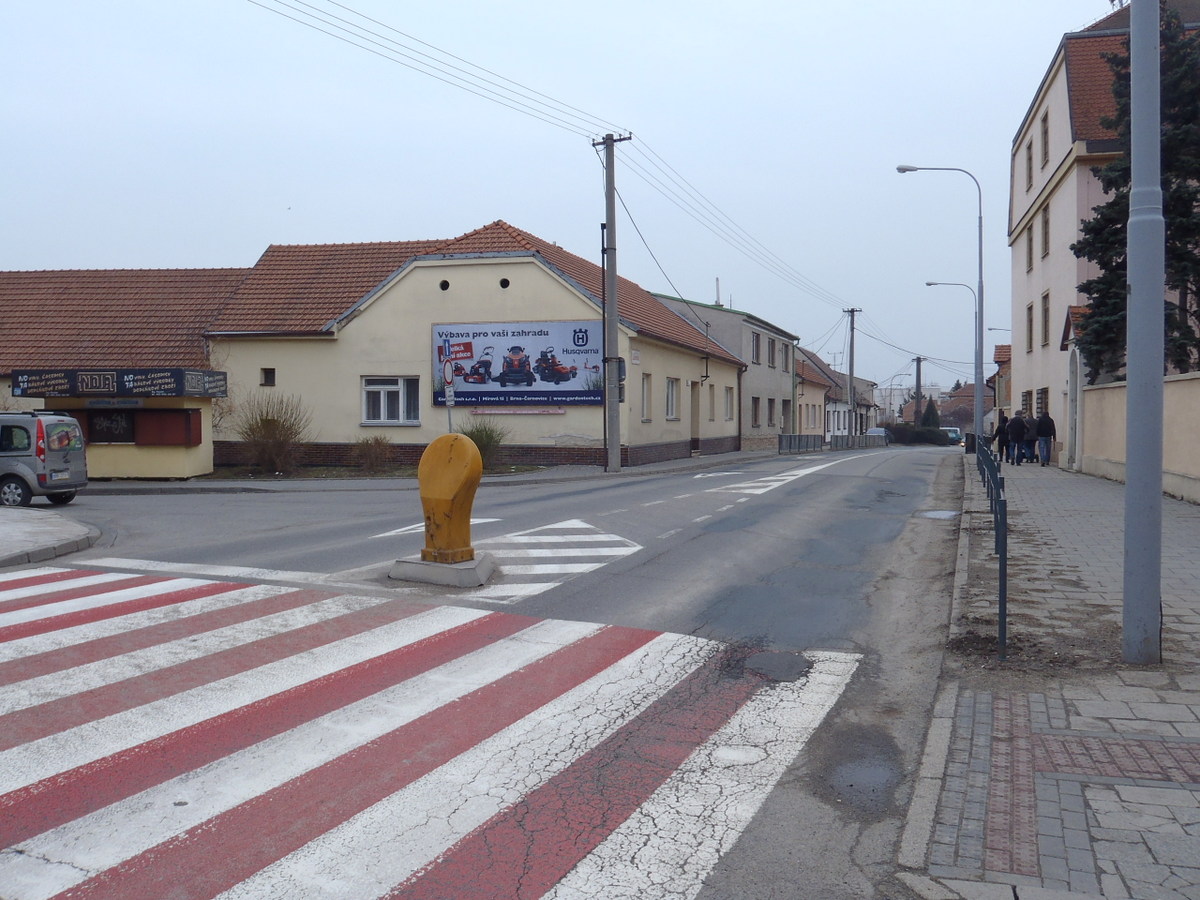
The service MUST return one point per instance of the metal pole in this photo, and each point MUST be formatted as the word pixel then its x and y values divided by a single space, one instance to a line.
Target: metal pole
pixel 978 424
pixel 1142 610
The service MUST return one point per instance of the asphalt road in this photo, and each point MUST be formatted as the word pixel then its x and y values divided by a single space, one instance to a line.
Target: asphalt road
pixel 847 553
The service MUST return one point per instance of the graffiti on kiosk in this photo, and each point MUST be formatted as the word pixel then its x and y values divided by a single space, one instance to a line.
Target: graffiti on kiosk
pixel 520 363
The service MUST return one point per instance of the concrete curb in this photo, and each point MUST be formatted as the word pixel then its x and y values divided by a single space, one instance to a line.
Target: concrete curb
pixel 29 549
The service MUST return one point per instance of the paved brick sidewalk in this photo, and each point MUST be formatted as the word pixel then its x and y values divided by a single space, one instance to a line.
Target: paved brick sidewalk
pixel 1062 773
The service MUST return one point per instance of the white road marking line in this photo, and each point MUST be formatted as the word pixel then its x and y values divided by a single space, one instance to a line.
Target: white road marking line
pixel 420 526
pixel 78 634
pixel 477 784
pixel 672 841
pixel 548 539
pixel 102 672
pixel 559 553
pixel 36 589
pixel 550 568
pixel 92 601
pixel 139 823
pixel 94 740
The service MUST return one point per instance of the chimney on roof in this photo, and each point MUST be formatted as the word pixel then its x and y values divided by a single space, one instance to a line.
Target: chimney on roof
pixel 718 303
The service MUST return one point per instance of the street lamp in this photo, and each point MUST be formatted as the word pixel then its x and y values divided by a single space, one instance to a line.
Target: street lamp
pixel 978 295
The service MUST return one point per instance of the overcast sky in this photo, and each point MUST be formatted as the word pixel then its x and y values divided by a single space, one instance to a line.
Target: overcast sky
pixel 194 133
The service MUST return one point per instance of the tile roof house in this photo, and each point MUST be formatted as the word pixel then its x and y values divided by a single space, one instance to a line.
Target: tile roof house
pixel 118 317
pixel 1061 138
pixel 348 326
pixel 769 382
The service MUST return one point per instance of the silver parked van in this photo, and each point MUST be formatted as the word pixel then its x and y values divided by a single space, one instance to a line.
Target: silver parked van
pixel 41 455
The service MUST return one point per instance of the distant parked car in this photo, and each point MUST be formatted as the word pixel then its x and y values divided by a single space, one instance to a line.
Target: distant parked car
pixel 881 432
pixel 954 434
pixel 41 455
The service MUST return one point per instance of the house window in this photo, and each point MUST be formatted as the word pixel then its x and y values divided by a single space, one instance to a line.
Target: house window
pixel 755 348
pixel 266 377
pixel 1043 400
pixel 728 404
pixel 755 412
pixel 1029 328
pixel 672 411
pixel 647 398
pixel 1029 249
pixel 1027 401
pixel 1045 318
pixel 1045 231
pixel 391 401
pixel 770 412
pixel 785 356
pixel 771 352
pixel 1045 138
pixel 1029 166
pixel 785 415
pixel 712 403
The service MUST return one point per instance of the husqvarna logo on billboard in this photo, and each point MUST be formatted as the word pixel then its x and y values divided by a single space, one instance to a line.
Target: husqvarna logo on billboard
pixel 580 337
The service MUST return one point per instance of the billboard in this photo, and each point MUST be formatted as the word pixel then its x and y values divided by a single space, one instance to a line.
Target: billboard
pixel 520 363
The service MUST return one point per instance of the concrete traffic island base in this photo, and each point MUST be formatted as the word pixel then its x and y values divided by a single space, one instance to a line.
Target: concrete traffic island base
pixel 471 573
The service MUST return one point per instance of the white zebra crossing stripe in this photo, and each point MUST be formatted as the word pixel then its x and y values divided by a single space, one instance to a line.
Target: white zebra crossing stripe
pixel 360 747
pixel 478 784
pixel 576 547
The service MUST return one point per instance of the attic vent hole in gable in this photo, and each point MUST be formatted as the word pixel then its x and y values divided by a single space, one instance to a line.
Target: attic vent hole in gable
pixel 445 285
pixel 504 283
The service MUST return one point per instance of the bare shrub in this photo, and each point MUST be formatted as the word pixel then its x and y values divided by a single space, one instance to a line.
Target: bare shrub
pixel 273 426
pixel 488 435
pixel 373 454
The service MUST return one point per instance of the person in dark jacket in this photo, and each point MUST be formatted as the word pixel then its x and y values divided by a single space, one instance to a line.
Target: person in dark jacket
pixel 1003 447
pixel 1016 436
pixel 1045 436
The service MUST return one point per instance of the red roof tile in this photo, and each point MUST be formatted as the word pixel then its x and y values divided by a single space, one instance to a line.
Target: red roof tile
pixel 1002 354
pixel 652 317
pixel 1089 83
pixel 300 288
pixel 116 317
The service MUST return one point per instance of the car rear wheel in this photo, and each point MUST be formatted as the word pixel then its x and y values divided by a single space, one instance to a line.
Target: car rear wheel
pixel 62 497
pixel 14 492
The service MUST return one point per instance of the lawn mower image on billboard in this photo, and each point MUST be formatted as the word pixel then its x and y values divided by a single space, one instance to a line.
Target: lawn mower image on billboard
pixel 516 368
pixel 480 371
pixel 548 368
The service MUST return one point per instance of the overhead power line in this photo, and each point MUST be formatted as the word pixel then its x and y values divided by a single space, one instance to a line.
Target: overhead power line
pixel 366 33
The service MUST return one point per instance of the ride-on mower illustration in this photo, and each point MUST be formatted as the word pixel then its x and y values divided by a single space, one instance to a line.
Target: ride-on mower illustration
pixel 516 368
pixel 480 371
pixel 548 368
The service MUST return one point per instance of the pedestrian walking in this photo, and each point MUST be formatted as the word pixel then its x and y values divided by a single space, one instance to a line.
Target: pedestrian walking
pixel 1001 436
pixel 1045 436
pixel 1030 447
pixel 1016 437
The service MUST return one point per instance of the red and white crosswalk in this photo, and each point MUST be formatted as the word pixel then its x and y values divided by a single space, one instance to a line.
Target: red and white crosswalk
pixel 180 737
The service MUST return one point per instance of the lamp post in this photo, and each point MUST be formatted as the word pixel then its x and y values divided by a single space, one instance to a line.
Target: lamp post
pixel 978 295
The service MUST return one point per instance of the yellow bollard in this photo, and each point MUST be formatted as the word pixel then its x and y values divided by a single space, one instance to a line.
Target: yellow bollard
pixel 447 477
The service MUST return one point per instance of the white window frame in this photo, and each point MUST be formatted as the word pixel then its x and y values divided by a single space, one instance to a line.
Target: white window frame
pixel 728 404
pixel 672 410
pixel 647 397
pixel 381 394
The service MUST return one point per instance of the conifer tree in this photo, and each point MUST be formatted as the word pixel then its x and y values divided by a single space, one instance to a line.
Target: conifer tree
pixel 930 418
pixel 1103 237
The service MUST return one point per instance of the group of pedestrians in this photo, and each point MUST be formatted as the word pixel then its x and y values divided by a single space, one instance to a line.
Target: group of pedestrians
pixel 1024 438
